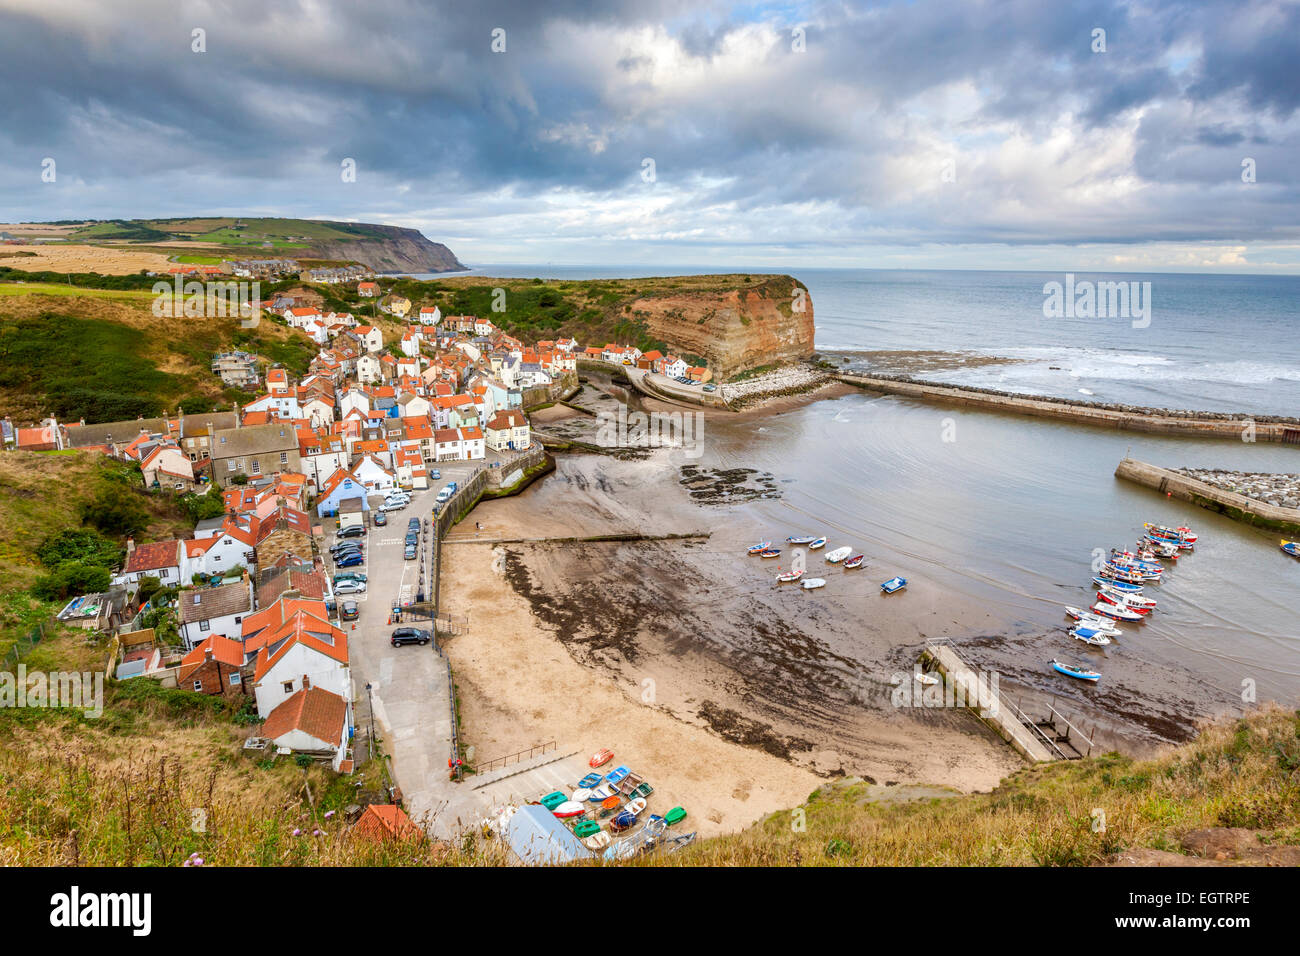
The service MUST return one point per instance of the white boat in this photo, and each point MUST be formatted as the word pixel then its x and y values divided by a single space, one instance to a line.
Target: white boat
pixel 597 841
pixel 819 543
pixel 838 555
pixel 813 583
pixel 582 795
pixel 1112 596
pixel 1089 636
pixel 926 679
pixel 1094 621
pixel 1116 612
pixel 785 576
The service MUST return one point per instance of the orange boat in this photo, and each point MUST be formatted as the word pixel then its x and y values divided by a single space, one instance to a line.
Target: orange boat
pixel 600 758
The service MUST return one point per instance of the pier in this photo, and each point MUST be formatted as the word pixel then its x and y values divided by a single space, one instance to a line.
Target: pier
pixel 1185 488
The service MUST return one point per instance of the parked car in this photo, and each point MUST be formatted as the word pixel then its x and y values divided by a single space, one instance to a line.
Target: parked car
pixel 350 611
pixel 710 388
pixel 345 546
pixel 410 552
pixel 352 531
pixel 398 496
pixel 345 552
pixel 435 475
pixel 381 519
pixel 394 505
pixel 350 587
pixel 349 576
pixel 409 635
pixel 413 523
pixel 350 560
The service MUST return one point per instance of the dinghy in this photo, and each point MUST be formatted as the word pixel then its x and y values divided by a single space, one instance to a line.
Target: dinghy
pixel 1094 621
pixel 553 800
pixel 813 584
pixel 1117 585
pixel 600 758
pixel 801 539
pixel 597 841
pixel 601 793
pixel 756 548
pixel 586 828
pixel 786 576
pixel 617 774
pixel 1089 636
pixel 675 815
pixel 570 808
pixel 854 562
pixel 819 543
pixel 838 555
pixel 1136 601
pixel 1292 548
pixel 927 680
pixel 591 779
pixel 770 553
pixel 1116 612
pixel 1078 672
pixel 1171 534
pixel 582 795
pixel 893 584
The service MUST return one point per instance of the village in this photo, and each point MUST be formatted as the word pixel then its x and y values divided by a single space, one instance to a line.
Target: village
pixel 285 598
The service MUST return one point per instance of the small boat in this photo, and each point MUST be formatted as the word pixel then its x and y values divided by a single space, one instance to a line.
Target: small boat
pixel 603 792
pixel 1118 585
pixel 854 562
pixel 597 841
pixel 814 545
pixel 586 828
pixel 1127 559
pixel 1161 549
pixel 675 815
pixel 893 584
pixel 569 808
pixel 838 555
pixel 1094 621
pixel 813 584
pixel 643 789
pixel 1292 548
pixel 553 800
pixel 1170 534
pixel 756 548
pixel 627 816
pixel 590 780
pixel 610 804
pixel 582 795
pixel 1123 575
pixel 1078 672
pixel 600 758
pixel 770 553
pixel 928 680
pixel 801 539
pixel 786 576
pixel 1089 636
pixel 1136 601
pixel 1116 612
pixel 617 774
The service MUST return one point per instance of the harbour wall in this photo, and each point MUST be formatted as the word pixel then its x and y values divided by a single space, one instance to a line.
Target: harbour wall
pixel 1128 418
pixel 1180 486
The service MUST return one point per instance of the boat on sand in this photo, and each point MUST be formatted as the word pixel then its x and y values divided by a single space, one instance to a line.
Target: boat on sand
pixel 838 555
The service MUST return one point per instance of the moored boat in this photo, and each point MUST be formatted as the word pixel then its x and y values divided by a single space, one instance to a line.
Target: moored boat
pixel 838 555
pixel 591 779
pixel 1089 636
pixel 928 680
pixel 1116 612
pixel 1077 672
pixel 893 584
pixel 815 545
pixel 597 841
pixel 1117 585
pixel 801 539
pixel 1136 601
pixel 617 774
pixel 854 562
pixel 756 548
pixel 600 758
pixel 787 576
pixel 812 584
pixel 1292 548
pixel 770 553
pixel 570 808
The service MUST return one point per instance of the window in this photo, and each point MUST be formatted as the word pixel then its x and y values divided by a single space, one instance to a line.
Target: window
pixel 230 465
pixel 198 685
pixel 235 679
pixel 284 458
pixel 205 625
pixel 257 467
pixel 288 687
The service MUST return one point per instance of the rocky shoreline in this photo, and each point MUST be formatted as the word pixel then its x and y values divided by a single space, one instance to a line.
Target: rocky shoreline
pixel 1279 490
pixel 779 383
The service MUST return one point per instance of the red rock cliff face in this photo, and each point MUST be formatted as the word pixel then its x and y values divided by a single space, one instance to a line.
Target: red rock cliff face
pixel 735 330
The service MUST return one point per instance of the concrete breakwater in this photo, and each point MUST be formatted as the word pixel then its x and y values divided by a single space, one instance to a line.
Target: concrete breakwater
pixel 1261 428
pixel 1202 493
pixel 1272 489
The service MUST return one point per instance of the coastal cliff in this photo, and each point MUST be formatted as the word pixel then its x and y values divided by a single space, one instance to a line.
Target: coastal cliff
pixel 737 329
pixel 388 249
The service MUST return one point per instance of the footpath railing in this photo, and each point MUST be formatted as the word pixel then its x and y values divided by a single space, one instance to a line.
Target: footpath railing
pixel 528 754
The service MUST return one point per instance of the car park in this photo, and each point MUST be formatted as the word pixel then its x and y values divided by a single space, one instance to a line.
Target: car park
pixel 381 519
pixel 350 560
pixel 409 635
pixel 350 587
pixel 350 611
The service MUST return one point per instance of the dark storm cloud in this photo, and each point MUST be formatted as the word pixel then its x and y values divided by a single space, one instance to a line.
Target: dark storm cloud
pixel 1050 140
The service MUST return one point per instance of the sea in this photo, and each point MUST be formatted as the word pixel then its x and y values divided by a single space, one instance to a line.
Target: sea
pixel 1011 512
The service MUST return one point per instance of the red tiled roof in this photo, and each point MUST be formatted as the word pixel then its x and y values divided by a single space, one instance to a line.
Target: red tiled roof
pixel 314 711
pixel 154 556
pixel 385 821
pixel 224 650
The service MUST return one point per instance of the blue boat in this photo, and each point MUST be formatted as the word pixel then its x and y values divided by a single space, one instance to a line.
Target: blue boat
pixel 617 774
pixel 1118 585
pixel 801 539
pixel 893 584
pixel 1077 672
pixel 1292 548
pixel 589 781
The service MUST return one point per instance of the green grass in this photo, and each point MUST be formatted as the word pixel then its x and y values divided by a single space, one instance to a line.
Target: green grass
pixel 51 288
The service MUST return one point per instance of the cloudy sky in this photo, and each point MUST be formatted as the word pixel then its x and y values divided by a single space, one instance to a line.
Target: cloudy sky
pixel 680 132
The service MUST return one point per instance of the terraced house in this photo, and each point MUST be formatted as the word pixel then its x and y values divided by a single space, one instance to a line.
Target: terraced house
pixel 253 451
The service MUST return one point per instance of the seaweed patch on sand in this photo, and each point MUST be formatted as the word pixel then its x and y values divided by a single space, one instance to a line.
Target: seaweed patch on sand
pixel 714 486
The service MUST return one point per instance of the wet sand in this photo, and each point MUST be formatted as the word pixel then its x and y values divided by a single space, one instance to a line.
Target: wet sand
pixel 781 683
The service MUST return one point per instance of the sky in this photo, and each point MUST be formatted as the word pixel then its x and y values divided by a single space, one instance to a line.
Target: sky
pixel 839 134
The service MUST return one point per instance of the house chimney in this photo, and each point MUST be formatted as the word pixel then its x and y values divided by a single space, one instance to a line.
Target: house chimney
pixel 306 682
pixel 207 652
pixel 130 546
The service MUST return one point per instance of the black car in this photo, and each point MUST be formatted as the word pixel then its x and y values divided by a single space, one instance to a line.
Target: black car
pixel 345 546
pixel 409 635
pixel 347 553
pixel 352 531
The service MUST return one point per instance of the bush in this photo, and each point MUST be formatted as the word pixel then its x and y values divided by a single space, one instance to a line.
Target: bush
pixel 115 510
pixel 71 578
pixel 201 507
pixel 80 544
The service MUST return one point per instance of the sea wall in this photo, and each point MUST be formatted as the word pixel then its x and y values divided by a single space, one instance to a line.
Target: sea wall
pixel 1185 488
pixel 1124 417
